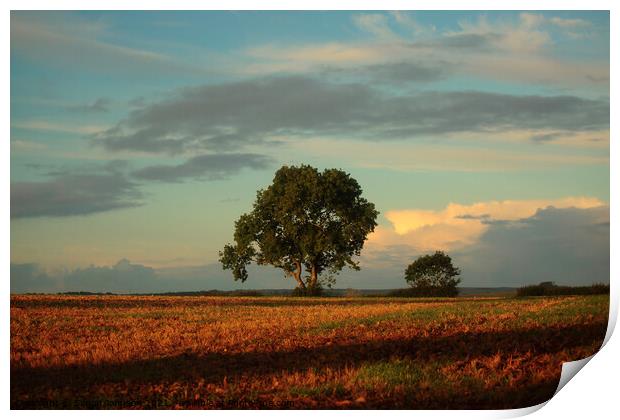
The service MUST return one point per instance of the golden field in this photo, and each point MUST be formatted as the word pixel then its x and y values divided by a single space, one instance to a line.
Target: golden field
pixel 281 352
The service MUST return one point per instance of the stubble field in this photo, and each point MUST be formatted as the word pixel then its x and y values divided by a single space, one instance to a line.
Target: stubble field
pixel 229 352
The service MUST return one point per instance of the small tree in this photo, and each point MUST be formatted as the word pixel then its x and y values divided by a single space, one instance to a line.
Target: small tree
pixel 304 219
pixel 433 275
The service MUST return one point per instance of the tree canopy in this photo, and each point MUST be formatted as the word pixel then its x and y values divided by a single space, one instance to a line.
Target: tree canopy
pixel 305 219
pixel 433 275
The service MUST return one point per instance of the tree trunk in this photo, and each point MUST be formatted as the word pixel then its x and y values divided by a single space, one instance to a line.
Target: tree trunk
pixel 297 275
pixel 313 277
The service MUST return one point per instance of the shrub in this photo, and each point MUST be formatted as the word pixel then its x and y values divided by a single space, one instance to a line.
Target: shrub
pixel 308 291
pixel 551 289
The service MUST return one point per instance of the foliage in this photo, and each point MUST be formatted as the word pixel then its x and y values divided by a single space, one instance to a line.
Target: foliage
pixel 268 352
pixel 306 219
pixel 350 292
pixel 212 292
pixel 308 291
pixel 551 289
pixel 433 275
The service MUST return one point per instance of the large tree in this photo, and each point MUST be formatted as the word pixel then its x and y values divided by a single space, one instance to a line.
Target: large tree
pixel 305 219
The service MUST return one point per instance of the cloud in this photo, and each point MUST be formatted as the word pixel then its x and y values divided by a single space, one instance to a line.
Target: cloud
pixel 531 20
pixel 29 278
pixel 569 246
pixel 453 152
pixel 224 117
pixel 570 23
pixel 131 277
pixel 408 220
pixel 408 72
pixel 459 41
pixel 71 194
pixel 272 58
pixel 123 277
pixel 545 70
pixel 522 36
pixel 496 49
pixel 375 24
pixel 233 115
pixel 108 186
pixel 99 105
pixel 595 138
pixel 70 42
pixel 20 145
pixel 214 166
pixel 598 79
pixel 60 127
pixel 407 21
pixel 574 28
pixel 394 72
pixel 458 226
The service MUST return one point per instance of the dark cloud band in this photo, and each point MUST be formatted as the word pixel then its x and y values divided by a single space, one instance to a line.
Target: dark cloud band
pixel 215 166
pixel 73 194
pixel 230 116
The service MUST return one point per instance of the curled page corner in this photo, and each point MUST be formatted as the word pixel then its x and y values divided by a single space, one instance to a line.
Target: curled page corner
pixel 521 412
pixel 613 315
pixel 569 370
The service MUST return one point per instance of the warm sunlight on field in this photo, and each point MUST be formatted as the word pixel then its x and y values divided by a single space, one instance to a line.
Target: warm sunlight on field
pixel 207 352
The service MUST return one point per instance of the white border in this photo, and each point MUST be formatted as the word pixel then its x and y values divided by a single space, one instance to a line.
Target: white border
pixel 311 5
pixel 592 394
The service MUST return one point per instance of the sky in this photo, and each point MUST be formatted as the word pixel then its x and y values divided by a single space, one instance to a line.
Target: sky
pixel 138 138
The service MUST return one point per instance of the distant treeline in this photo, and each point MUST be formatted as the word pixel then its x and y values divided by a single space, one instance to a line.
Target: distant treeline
pixel 80 293
pixel 542 289
pixel 551 289
pixel 350 292
pixel 198 293
pixel 213 292
pixel 424 292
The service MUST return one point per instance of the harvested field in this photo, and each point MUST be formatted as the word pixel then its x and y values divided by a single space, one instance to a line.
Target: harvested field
pixel 245 352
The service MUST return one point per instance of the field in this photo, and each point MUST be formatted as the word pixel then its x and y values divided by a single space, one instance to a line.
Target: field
pixel 228 352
